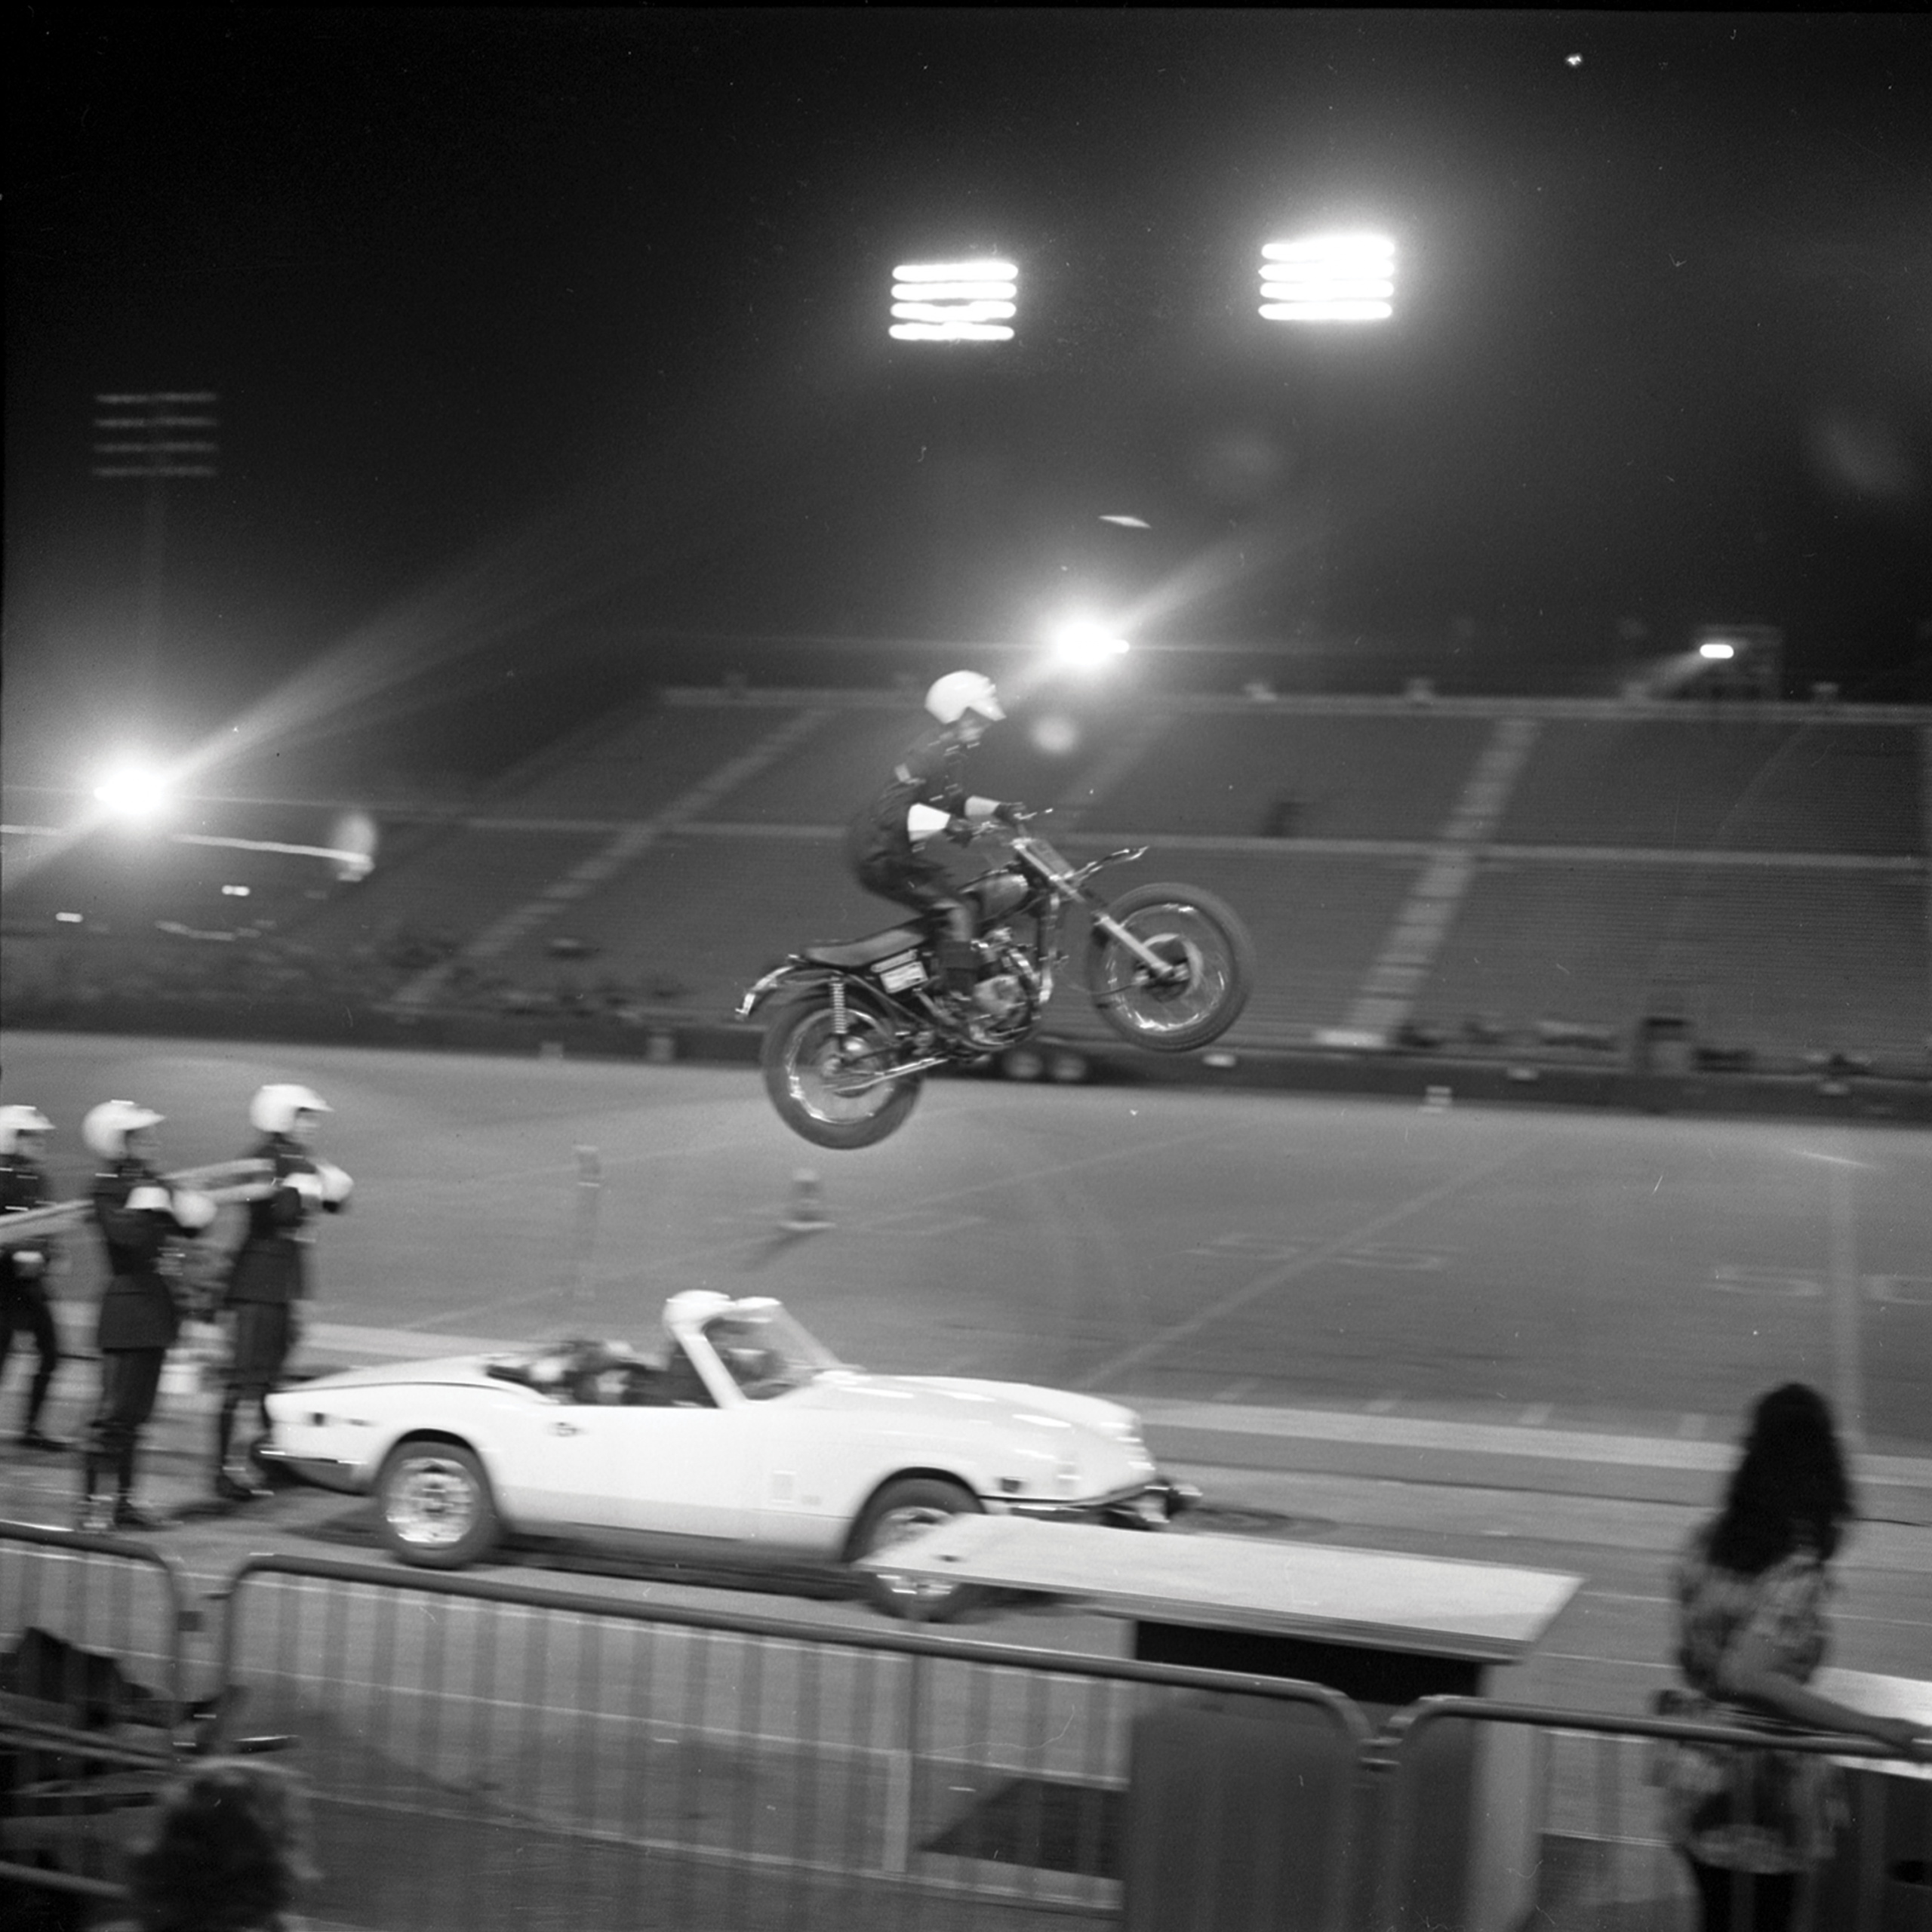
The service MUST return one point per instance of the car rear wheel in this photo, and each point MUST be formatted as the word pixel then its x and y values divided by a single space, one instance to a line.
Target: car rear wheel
pixel 901 1510
pixel 434 1505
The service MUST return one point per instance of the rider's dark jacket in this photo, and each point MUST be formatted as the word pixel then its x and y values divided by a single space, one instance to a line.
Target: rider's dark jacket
pixel 138 1310
pixel 272 1264
pixel 23 1186
pixel 877 843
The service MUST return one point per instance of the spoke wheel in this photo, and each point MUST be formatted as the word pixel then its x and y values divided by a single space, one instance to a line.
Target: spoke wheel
pixel 825 1085
pixel 1207 968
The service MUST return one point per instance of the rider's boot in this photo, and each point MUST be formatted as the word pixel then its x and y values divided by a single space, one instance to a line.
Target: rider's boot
pixel 959 968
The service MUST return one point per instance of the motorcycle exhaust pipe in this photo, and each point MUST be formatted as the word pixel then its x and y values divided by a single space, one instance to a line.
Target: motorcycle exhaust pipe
pixel 902 1072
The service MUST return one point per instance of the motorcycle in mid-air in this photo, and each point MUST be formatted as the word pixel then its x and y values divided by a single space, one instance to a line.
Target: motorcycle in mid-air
pixel 852 1029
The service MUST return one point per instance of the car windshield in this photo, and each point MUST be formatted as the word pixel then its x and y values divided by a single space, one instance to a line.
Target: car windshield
pixel 765 1352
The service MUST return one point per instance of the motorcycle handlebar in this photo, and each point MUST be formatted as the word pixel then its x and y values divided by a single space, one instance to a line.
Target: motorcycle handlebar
pixel 1012 818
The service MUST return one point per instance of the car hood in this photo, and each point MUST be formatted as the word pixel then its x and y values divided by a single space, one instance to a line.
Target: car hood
pixel 966 1400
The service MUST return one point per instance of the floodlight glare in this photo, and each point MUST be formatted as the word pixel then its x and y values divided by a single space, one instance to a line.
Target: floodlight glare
pixel 134 789
pixel 1716 650
pixel 1329 278
pixel 1082 645
pixel 954 301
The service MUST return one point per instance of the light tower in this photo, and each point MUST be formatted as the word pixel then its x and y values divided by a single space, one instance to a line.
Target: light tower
pixel 155 439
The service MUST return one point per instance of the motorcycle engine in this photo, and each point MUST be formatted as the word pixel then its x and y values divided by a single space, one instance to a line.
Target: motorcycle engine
pixel 1001 997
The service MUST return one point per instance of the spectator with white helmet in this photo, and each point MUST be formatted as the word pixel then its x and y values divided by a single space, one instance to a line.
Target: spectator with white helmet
pixel 141 1215
pixel 270 1273
pixel 24 1265
pixel 886 843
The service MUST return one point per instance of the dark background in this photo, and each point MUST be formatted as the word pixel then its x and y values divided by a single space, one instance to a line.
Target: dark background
pixel 552 358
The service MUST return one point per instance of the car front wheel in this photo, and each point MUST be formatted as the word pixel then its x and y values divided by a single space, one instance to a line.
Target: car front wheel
pixel 902 1510
pixel 434 1505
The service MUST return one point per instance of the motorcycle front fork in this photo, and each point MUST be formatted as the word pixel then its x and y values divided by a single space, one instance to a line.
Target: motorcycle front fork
pixel 1159 969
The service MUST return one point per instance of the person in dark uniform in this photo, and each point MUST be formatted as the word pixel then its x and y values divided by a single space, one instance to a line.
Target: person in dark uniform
pixel 885 843
pixel 24 1265
pixel 270 1274
pixel 140 1216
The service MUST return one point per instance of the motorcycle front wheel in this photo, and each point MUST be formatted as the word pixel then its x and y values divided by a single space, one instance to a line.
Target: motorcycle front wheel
pixel 825 1085
pixel 1207 970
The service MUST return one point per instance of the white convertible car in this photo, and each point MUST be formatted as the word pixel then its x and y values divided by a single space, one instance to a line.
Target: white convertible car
pixel 737 1435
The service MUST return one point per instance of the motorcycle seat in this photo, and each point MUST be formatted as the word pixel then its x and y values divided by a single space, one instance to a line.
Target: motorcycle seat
pixel 865 952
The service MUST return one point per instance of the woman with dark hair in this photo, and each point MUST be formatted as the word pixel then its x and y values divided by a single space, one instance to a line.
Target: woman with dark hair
pixel 1751 1588
pixel 229 1851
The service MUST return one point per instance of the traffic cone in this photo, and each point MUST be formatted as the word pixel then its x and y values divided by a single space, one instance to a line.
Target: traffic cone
pixel 806 1214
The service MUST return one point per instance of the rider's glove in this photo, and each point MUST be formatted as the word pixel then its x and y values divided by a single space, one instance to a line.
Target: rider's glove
pixel 195 1210
pixel 961 830
pixel 336 1184
pixel 1009 811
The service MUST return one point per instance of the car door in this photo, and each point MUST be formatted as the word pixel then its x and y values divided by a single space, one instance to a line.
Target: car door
pixel 678 1457
pixel 558 1465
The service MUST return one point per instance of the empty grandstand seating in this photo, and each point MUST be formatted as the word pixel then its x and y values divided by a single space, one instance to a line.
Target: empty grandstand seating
pixel 1759 871
pixel 821 779
pixel 455 882
pixel 1782 961
pixel 1280 771
pixel 1701 780
pixel 705 915
pixel 645 761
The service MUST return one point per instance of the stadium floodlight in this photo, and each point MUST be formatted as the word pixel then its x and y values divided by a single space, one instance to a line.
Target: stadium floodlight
pixel 1083 643
pixel 1329 278
pixel 972 301
pixel 169 433
pixel 134 789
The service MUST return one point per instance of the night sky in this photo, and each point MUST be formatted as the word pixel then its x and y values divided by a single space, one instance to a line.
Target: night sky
pixel 552 356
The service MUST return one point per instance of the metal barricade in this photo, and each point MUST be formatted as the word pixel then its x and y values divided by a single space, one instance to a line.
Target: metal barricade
pixel 92 1689
pixel 1603 1860
pixel 486 1754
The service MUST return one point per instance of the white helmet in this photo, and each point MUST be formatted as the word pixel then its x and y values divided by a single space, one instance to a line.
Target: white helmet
pixel 273 1109
pixel 15 1121
pixel 959 692
pixel 107 1127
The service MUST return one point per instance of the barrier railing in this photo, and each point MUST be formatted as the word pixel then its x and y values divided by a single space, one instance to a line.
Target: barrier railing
pixel 474 1745
pixel 1599 1823
pixel 484 1753
pixel 92 1694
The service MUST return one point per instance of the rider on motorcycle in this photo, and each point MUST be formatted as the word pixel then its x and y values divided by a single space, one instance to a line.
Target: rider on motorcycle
pixel 925 796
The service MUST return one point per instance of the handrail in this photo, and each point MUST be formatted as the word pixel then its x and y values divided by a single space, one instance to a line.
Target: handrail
pixel 1403 1723
pixel 925 1643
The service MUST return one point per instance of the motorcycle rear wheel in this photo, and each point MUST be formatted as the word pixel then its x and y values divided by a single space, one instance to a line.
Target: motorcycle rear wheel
pixel 824 1084
pixel 1188 928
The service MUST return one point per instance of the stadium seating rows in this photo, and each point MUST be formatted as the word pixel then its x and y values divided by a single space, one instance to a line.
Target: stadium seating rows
pixel 1759 871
